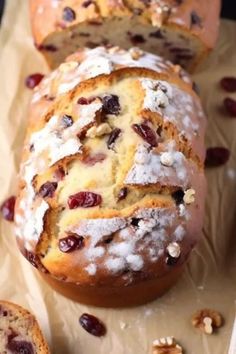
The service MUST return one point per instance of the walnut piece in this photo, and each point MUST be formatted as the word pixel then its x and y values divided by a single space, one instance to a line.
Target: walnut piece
pixel 207 320
pixel 166 345
pixel 189 196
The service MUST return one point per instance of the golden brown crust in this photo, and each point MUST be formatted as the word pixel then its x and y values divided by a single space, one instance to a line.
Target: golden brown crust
pixel 147 233
pixel 31 325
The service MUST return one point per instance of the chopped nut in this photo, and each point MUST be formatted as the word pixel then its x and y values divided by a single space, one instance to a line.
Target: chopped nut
pixel 166 345
pixel 70 65
pixel 166 159
pixel 114 50
pixel 207 320
pixel 208 325
pixel 102 129
pixel 189 196
pixel 174 249
pixel 136 53
pixel 160 15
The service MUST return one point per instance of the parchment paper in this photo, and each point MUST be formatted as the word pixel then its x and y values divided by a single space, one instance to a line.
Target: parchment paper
pixel 209 279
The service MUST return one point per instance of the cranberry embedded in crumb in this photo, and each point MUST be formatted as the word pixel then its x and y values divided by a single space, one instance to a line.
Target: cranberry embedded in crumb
pixel 7 208
pixel 228 84
pixel 114 135
pixel 67 120
pixel 19 346
pixel 230 106
pixel 136 38
pixel 87 3
pixel 178 196
pixel 216 156
pixel 84 200
pixel 68 14
pixel 91 160
pixel 84 101
pixel 171 261
pixel 59 173
pixel 146 133
pixel 122 193
pixel 92 325
pixel 47 189
pixel 33 80
pixel 71 243
pixel 111 104
pixel 195 19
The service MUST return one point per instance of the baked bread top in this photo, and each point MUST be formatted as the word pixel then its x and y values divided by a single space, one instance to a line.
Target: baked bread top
pixel 112 184
pixel 19 331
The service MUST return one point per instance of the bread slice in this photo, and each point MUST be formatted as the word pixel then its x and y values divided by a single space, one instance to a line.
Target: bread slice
pixel 19 331
pixel 181 31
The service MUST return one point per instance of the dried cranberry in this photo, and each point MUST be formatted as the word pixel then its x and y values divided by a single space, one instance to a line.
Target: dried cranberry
pixel 136 38
pixel 7 208
pixel 47 47
pixel 137 11
pixel 68 14
pixel 114 135
pixel 196 88
pixel 59 173
pixel 135 222
pixel 111 104
pixel 91 160
pixel 146 133
pixel 33 80
pixel 157 34
pixel 122 193
pixel 47 189
pixel 20 347
pixel 71 243
pixel 11 336
pixel 84 200
pixel 228 84
pixel 216 156
pixel 84 101
pixel 32 258
pixel 92 325
pixel 87 3
pixel 178 196
pixel 67 120
pixel 195 19
pixel 171 261
pixel 230 106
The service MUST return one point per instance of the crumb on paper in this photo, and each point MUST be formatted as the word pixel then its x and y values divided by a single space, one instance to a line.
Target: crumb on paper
pixel 231 174
pixel 123 325
pixel 166 345
pixel 207 320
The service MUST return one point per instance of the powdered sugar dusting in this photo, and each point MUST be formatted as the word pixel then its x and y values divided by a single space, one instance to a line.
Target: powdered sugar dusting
pixel 149 168
pixel 47 146
pixel 130 243
pixel 173 104
pixel 99 61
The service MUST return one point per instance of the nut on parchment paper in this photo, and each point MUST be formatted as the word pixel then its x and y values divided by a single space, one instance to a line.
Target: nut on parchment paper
pixel 207 320
pixel 166 345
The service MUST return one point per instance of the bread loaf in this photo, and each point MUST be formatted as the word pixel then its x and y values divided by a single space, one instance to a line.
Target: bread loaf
pixel 183 31
pixel 19 331
pixel 112 183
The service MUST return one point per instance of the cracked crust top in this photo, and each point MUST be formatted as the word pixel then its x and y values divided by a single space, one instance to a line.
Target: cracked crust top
pixel 112 185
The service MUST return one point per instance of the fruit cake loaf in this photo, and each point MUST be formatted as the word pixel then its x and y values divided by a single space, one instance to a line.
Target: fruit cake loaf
pixel 183 31
pixel 112 183
pixel 19 331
